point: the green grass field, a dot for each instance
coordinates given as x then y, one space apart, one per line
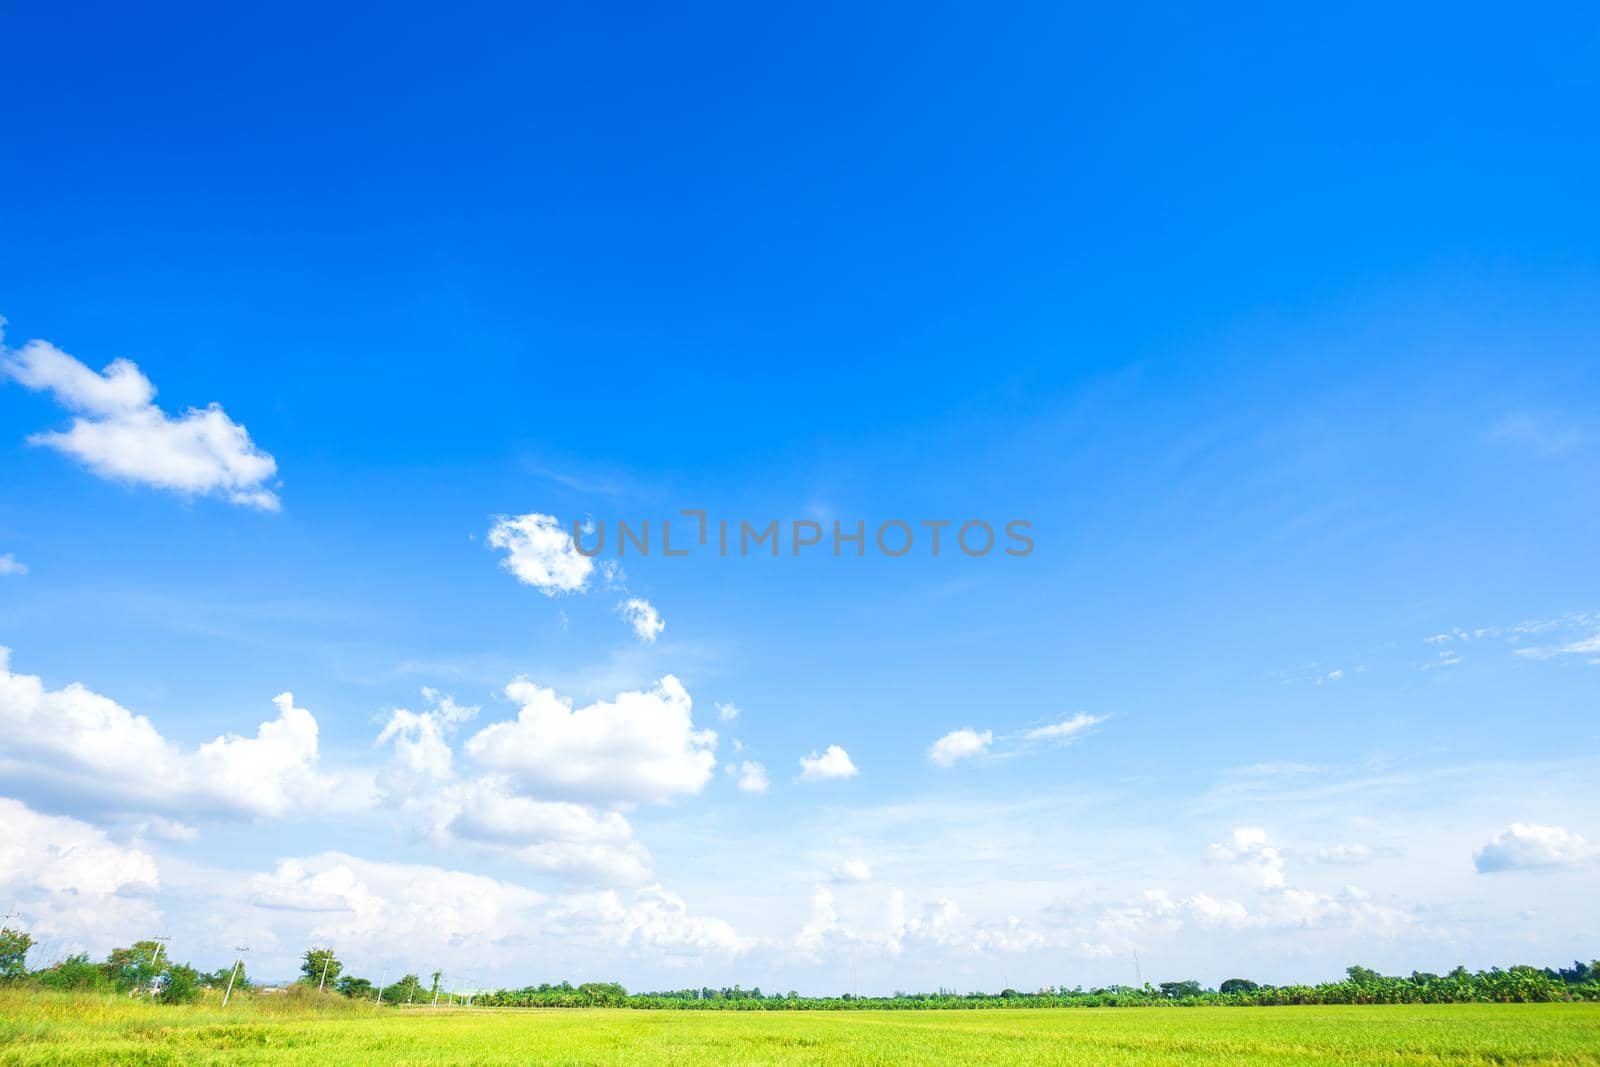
42 1029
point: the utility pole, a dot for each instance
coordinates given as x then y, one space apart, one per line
327 959
383 977
1136 969
241 950
161 943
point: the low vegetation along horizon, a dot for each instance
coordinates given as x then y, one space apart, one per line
136 1007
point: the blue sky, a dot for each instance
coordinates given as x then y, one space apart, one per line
1279 329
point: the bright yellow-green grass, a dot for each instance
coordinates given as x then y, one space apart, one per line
44 1029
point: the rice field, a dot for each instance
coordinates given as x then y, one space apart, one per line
50 1029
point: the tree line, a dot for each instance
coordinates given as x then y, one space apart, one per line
1361 985
140 969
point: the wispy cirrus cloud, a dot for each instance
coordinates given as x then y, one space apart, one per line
1067 728
1545 434
967 743
1576 633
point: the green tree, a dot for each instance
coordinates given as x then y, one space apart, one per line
14 946
404 991
218 979
1363 976
180 985
76 974
134 967
316 961
1180 990
354 987
1237 985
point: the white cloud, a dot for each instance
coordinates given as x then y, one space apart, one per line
9 565
556 837
654 922
1528 846
61 855
1347 854
1588 646
1577 633
753 777
119 433
541 553
488 814
1547 435
1209 911
727 712
72 885
959 745
851 871
1448 657
643 617
641 747
166 830
372 909
832 763
1065 728
810 938
1247 847
77 739
421 740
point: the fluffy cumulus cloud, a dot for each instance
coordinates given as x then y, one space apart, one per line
727 712
753 777
643 617
652 923
118 432
959 745
541 553
61 855
421 741
72 885
9 565
1247 848
1528 846
833 762
642 747
851 871
488 815
76 740
378 910
558 837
